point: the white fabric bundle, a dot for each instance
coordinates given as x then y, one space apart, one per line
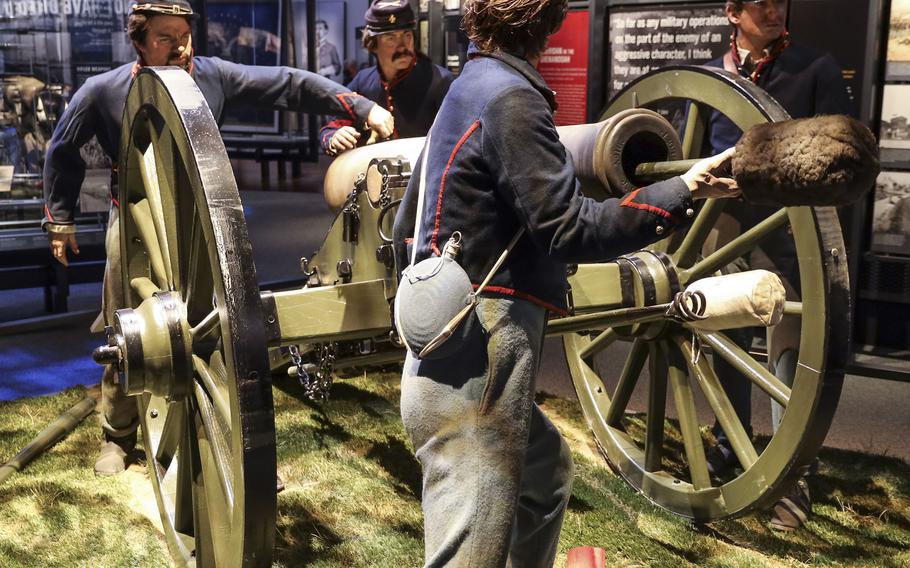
745 299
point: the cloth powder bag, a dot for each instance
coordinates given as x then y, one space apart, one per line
747 299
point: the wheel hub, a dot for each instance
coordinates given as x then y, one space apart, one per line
154 344
653 280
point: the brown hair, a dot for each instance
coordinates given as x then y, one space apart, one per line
137 27
516 26
369 42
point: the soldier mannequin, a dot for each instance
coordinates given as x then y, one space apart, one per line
497 475
161 35
806 83
404 82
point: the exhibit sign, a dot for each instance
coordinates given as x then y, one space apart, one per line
891 213
644 40
564 66
62 42
898 60
894 135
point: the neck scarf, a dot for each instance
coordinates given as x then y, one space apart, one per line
771 53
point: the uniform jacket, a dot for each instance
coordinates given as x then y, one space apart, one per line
96 109
806 83
413 98
494 164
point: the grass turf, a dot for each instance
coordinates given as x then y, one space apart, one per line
353 488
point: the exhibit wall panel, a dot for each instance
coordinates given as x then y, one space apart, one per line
564 66
247 32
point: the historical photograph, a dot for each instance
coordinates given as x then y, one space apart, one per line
898 65
894 134
891 214
330 38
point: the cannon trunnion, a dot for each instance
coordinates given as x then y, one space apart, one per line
192 345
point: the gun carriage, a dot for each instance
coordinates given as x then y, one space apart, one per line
194 345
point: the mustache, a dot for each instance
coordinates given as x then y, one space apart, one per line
400 54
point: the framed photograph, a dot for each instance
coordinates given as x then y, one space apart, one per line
897 67
894 135
331 38
250 33
891 213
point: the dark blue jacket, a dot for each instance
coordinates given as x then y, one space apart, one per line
413 98
804 81
96 109
495 163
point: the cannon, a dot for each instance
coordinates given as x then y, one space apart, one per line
193 345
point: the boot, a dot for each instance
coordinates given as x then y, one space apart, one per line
112 457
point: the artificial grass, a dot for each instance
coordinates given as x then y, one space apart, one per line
353 487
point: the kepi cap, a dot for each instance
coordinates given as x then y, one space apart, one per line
385 16
165 8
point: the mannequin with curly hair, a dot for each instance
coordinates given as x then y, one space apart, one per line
497 475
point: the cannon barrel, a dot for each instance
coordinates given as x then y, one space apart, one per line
589 145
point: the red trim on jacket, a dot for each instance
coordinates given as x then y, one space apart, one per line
336 124
628 202
442 185
523 296
343 98
47 213
115 201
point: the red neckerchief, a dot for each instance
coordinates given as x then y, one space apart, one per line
777 47
139 65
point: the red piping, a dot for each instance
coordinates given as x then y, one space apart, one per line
442 184
342 97
627 202
523 296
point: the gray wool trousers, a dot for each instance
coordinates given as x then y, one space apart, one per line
497 475
119 413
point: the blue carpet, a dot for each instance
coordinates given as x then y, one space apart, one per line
47 362
283 227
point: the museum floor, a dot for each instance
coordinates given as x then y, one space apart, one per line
284 226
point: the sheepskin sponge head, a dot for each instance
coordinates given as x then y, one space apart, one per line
821 161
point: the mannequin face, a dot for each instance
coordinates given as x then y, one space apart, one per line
167 38
321 31
759 23
395 51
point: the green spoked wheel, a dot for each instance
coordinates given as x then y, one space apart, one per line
193 339
675 364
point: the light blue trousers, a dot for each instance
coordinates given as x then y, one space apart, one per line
497 475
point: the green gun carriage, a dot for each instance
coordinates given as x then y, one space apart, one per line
194 345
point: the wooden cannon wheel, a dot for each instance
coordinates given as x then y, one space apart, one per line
206 403
685 486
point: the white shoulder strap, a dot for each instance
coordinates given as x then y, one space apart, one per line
421 190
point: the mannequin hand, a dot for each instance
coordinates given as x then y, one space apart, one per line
59 242
345 138
380 121
703 178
